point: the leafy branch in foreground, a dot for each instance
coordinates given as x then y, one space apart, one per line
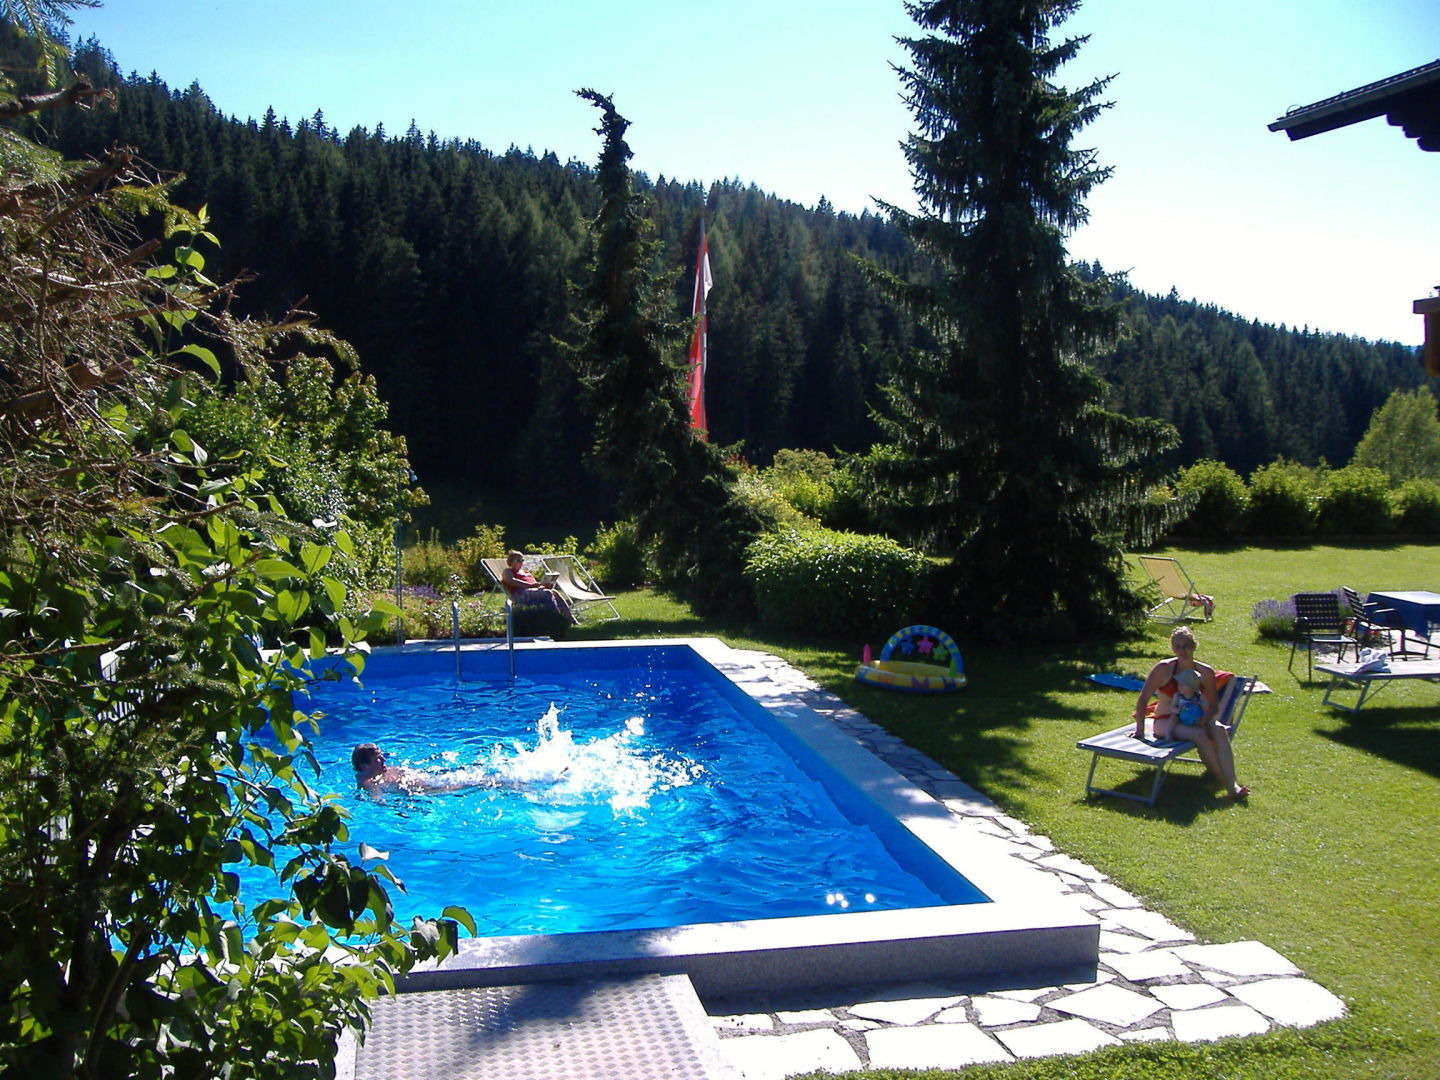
152 754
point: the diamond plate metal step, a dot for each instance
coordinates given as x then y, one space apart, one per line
651 1026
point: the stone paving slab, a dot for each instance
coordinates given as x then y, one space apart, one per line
1148 966
1147 924
998 1011
1063 1037
1239 958
1189 995
1222 1021
1155 982
774 1057
1109 1004
1291 1002
951 1046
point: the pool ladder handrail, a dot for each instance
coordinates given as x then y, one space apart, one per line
455 634
510 634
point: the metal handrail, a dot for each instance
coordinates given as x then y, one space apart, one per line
455 634
510 633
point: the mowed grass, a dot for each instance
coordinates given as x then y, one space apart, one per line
1334 861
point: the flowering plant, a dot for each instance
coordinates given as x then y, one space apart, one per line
1275 619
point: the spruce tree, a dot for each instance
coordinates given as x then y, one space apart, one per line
1004 458
675 486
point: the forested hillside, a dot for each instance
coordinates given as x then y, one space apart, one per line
452 268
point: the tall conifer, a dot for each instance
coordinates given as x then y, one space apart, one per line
676 487
1004 458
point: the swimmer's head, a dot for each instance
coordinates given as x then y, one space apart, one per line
366 756
1183 639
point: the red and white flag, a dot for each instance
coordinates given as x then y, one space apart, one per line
698 339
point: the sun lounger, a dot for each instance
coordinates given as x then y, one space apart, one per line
1180 600
1371 681
570 578
580 588
1159 753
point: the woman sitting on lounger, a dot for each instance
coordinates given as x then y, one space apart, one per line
1186 701
525 591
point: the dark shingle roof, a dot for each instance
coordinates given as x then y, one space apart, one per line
1410 100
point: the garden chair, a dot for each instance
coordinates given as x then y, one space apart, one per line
1159 753
1181 601
1319 621
579 587
1370 624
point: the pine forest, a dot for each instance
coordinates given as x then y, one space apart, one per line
451 267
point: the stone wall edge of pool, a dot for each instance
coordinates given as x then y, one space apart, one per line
790 953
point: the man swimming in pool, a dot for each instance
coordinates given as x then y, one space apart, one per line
376 778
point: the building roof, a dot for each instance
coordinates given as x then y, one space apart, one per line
1409 100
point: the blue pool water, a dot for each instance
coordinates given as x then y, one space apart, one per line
653 793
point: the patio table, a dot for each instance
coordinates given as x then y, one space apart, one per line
1419 610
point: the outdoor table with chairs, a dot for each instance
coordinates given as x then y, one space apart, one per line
1404 619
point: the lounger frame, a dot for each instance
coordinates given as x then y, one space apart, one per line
1372 682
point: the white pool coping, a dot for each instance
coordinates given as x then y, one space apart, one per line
1030 929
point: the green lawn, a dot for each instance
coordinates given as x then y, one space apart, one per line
1335 860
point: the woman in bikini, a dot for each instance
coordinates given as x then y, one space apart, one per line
1185 705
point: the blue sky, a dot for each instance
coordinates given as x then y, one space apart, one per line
1338 232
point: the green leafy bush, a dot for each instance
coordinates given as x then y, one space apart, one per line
1282 500
485 542
1354 500
429 562
426 613
570 545
1415 507
454 568
152 755
833 582
850 508
814 464
1219 500
811 497
802 478
761 499
618 556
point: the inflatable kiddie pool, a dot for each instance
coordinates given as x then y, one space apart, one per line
928 662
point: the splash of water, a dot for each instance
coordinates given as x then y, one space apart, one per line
557 769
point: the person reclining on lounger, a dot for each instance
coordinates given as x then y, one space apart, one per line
1186 700
525 591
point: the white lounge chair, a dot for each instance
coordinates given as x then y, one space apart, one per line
580 588
1158 753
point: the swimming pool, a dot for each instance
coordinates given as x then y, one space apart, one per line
778 853
636 791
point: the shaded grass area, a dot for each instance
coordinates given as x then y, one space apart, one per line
1335 860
